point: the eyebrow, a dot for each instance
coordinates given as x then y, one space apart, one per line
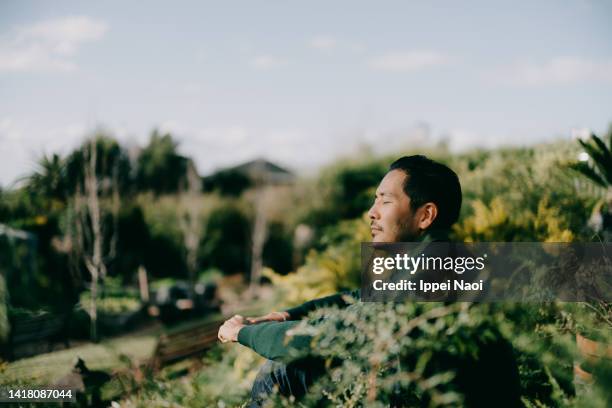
384 193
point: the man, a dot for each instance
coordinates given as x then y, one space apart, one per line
417 200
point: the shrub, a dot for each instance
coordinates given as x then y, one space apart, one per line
334 268
432 354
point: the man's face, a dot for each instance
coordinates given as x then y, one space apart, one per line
391 218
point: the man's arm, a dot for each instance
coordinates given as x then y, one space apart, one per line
268 336
266 339
269 339
337 299
301 311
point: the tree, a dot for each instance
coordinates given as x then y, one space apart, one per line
599 168
160 168
49 179
259 235
230 183
191 222
93 226
596 165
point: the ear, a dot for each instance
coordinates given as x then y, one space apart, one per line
426 215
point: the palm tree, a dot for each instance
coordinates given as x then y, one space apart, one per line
596 166
49 179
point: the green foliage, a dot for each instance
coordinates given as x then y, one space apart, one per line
37 276
431 354
344 191
160 168
523 194
49 179
420 352
108 355
376 351
226 245
230 183
497 223
224 380
133 242
164 254
116 298
278 249
4 320
111 305
112 164
599 170
593 320
327 271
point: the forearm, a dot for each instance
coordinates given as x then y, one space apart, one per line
270 339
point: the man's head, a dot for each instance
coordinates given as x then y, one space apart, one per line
415 195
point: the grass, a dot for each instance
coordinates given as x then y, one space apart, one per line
109 355
225 372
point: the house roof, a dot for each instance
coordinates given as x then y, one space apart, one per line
263 170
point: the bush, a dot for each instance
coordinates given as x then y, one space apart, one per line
278 249
432 354
223 380
334 268
226 246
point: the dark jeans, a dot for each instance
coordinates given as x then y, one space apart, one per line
292 379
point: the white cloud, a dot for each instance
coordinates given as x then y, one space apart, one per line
464 139
558 70
461 139
218 147
328 44
267 62
49 45
323 43
407 61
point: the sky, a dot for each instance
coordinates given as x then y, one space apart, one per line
299 83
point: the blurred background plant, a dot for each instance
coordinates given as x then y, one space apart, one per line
313 229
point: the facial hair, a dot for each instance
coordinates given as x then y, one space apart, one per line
406 232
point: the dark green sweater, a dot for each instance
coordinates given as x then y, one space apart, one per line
269 339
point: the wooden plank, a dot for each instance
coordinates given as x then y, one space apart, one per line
185 343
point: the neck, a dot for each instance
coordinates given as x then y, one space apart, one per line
434 234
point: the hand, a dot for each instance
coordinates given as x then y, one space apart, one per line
270 317
229 330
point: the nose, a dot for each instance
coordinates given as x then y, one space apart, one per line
373 213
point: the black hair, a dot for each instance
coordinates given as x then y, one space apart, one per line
430 181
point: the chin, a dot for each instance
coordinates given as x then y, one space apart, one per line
379 239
